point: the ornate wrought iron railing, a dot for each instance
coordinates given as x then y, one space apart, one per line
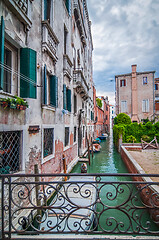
85 203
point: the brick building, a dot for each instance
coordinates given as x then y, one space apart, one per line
45 58
101 115
135 94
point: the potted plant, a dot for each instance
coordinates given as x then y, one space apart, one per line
21 103
5 102
13 103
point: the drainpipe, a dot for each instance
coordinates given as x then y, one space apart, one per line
153 97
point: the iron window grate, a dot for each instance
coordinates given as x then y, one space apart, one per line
48 141
10 151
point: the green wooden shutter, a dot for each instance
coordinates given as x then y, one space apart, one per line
69 11
56 88
68 6
69 100
27 73
53 91
45 9
2 28
45 86
64 96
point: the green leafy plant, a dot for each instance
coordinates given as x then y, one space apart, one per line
123 118
99 102
146 138
130 139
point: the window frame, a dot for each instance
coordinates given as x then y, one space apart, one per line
14 69
123 83
156 86
145 106
20 148
125 106
75 134
52 155
67 141
144 81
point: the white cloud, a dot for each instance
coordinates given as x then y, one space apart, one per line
124 32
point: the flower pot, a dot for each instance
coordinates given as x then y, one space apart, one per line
5 105
18 106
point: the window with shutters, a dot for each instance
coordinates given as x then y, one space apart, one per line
145 105
122 82
75 104
68 6
28 74
67 136
66 98
123 106
8 64
10 77
50 89
48 142
47 10
75 132
65 40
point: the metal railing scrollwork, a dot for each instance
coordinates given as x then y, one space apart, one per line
85 204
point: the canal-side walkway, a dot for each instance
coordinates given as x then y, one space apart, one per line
148 160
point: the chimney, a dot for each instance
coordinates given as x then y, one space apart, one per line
134 66
134 111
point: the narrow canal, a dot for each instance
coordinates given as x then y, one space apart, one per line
108 160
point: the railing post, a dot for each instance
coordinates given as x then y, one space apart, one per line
64 165
37 188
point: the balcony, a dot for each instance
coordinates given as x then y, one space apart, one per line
80 83
67 66
21 8
49 206
49 41
79 21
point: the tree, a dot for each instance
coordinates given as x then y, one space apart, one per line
123 118
99 102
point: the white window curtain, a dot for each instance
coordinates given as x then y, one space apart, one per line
145 105
124 106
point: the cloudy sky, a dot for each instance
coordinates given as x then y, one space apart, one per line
125 32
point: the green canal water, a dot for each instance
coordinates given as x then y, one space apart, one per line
124 218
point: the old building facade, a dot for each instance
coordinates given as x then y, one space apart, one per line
46 59
135 94
101 115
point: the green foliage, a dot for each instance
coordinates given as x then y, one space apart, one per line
118 130
156 125
145 120
123 118
130 139
115 120
146 138
99 102
148 125
146 131
157 136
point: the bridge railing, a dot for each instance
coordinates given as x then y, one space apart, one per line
43 204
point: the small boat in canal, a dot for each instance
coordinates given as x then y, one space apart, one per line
64 214
96 148
103 137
